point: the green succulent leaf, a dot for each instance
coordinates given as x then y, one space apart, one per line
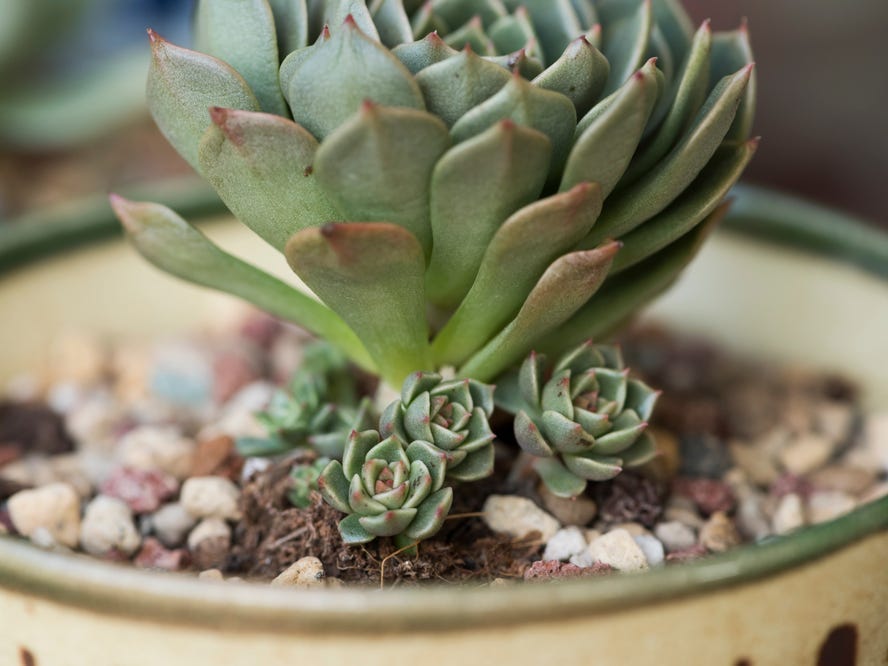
630 207
691 208
430 515
337 12
514 32
477 465
391 22
334 487
626 39
607 142
261 166
558 479
475 187
388 523
353 531
518 254
556 24
672 20
182 85
471 36
377 167
594 468
242 34
546 111
580 74
732 51
327 82
173 245
458 84
642 451
433 458
291 20
372 274
416 56
360 501
357 447
562 290
458 12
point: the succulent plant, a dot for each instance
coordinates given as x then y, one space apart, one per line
583 418
388 489
318 411
452 415
304 478
457 181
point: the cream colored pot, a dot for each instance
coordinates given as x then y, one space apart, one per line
819 596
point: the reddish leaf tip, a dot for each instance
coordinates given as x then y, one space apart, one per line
350 21
153 36
507 124
218 115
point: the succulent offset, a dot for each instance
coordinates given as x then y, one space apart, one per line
457 181
450 415
303 480
583 418
388 489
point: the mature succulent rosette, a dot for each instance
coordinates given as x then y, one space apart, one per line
457 181
452 415
388 489
584 419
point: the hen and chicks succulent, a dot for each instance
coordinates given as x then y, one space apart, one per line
459 183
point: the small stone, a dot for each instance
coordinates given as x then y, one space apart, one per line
548 570
827 505
253 466
758 465
703 456
211 497
565 543
304 572
210 574
806 453
789 515
182 374
675 536
333 583
217 457
518 517
142 490
751 519
171 523
108 526
54 507
29 428
209 543
77 358
634 529
652 548
790 484
683 510
157 448
843 478
667 462
709 495
95 423
590 535
719 534
569 511
629 498
154 556
835 420
875 438
617 549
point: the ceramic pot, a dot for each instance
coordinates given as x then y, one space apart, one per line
783 280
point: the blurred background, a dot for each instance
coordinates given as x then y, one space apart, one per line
73 121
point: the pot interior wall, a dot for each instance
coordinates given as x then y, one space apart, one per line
755 298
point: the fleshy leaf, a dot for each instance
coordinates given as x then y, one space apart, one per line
458 12
391 22
458 84
556 25
334 487
433 458
243 35
691 208
644 450
378 165
529 438
388 523
170 243
357 447
562 290
430 515
372 274
626 40
261 166
291 19
605 147
476 186
594 469
182 85
471 35
630 207
558 479
337 12
416 56
353 532
546 111
732 51
326 83
520 251
579 74
359 501
477 465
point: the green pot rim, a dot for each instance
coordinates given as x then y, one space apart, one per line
84 582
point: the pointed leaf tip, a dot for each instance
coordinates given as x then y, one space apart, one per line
153 37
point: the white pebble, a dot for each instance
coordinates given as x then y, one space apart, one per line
751 519
518 517
211 497
210 574
675 535
565 543
652 549
789 515
157 448
253 466
305 572
171 523
54 507
829 504
875 438
616 549
209 528
806 454
107 526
